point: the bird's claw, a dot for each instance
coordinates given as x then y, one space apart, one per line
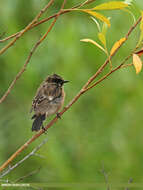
58 115
43 128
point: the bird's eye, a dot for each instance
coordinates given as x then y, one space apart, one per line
58 81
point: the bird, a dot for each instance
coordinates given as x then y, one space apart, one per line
48 100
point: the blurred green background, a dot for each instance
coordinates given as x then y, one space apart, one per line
104 128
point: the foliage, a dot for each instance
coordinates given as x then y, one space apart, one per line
105 126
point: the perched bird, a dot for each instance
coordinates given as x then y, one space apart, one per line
48 100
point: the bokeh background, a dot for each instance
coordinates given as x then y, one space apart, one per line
104 128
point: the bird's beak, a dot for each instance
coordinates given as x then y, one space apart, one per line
65 81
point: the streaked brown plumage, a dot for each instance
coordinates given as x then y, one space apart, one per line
48 100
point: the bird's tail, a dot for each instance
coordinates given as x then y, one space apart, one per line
37 123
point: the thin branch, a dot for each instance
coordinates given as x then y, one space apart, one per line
25 158
27 27
82 91
47 19
19 73
28 59
63 12
127 65
129 182
86 2
104 77
28 175
108 59
1 35
133 27
105 177
122 65
9 37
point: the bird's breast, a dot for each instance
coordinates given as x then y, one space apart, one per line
54 106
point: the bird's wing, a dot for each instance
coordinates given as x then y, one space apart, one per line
43 93
36 101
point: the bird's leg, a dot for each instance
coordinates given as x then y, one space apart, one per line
58 115
44 129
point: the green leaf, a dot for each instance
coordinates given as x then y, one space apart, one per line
104 28
141 25
97 15
112 5
102 38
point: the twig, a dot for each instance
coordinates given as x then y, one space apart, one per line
122 65
84 89
104 77
25 158
56 118
130 181
28 59
27 27
63 12
27 176
1 35
105 177
47 19
19 73
127 65
5 180
108 59
9 37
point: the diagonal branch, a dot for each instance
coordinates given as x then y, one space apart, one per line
47 19
28 59
25 158
82 91
62 12
26 28
108 59
27 175
122 65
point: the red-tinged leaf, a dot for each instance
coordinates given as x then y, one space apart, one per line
137 63
117 45
139 53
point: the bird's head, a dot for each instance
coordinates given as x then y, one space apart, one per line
56 79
